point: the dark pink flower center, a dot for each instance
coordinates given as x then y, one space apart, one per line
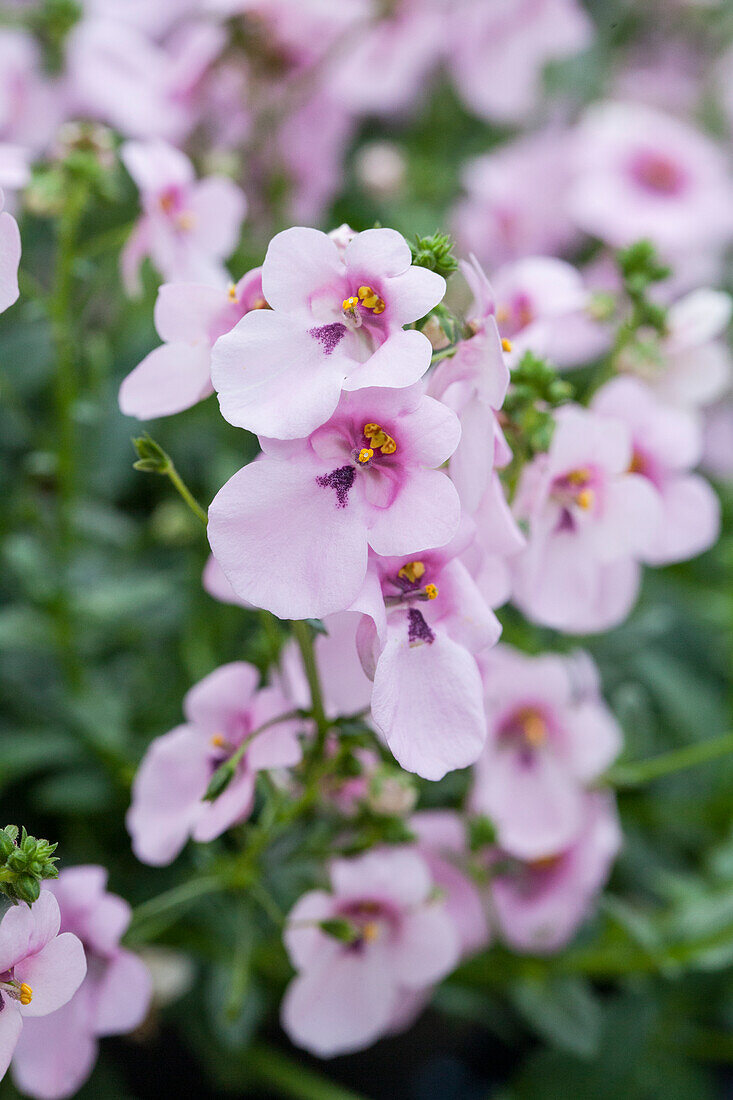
658 174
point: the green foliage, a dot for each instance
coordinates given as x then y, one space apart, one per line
24 864
435 252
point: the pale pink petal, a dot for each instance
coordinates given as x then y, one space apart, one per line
300 262
412 294
400 361
233 805
378 251
303 938
424 514
54 974
285 544
689 523
217 207
222 697
184 312
428 947
122 995
400 875
170 379
9 260
56 1053
593 738
25 930
11 1025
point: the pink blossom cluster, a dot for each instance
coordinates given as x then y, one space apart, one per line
66 981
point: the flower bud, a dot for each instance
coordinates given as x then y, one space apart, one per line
391 793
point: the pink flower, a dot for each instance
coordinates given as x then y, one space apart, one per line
498 540
506 214
40 970
224 713
311 143
718 453
190 318
691 365
667 444
335 324
539 904
56 1054
535 298
9 258
418 643
346 688
473 382
545 745
346 995
188 226
291 530
442 843
644 174
589 519
499 50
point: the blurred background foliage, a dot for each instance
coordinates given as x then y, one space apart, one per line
104 626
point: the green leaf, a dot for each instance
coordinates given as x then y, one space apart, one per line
563 1010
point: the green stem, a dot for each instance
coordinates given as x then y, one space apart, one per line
304 637
667 763
61 313
175 898
184 491
284 1076
228 766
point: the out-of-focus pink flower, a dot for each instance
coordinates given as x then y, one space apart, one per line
691 365
499 50
442 842
473 382
589 519
346 689
312 141
347 994
31 105
188 226
335 324
545 745
497 541
9 257
56 1054
642 173
403 48
535 298
663 73
516 202
539 904
40 970
667 444
718 448
291 530
189 317
224 712
418 639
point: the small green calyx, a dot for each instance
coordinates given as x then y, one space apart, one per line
24 864
339 929
152 459
436 253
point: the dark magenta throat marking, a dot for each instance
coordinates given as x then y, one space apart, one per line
340 481
417 629
328 336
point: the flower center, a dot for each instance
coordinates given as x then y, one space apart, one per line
407 581
658 174
576 488
528 726
365 298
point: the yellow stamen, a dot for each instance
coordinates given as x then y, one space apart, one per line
218 741
579 477
232 292
506 345
370 931
370 299
544 863
261 303
350 303
534 727
379 439
637 464
365 292
26 994
503 313
412 572
585 499
365 454
431 591
186 220
379 307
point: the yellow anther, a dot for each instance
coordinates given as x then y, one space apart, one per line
506 345
370 931
218 741
366 292
503 313
412 572
26 994
186 220
371 429
579 477
389 446
370 299
637 465
350 303
431 591
365 454
534 728
379 307
585 499
232 292
261 303
544 863
379 439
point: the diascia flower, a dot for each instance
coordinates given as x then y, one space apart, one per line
418 641
40 970
188 226
539 904
227 717
292 529
335 324
545 744
667 443
189 317
399 939
9 257
590 518
56 1054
